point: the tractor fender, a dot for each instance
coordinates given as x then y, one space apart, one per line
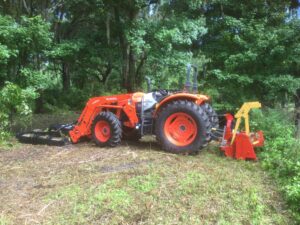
197 98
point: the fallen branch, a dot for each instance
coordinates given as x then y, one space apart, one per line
45 207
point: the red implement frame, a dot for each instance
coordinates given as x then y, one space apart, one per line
240 145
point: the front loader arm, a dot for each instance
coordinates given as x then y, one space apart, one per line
117 104
82 127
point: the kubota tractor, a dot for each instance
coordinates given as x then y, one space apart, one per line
181 120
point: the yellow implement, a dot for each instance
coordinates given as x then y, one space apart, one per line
244 113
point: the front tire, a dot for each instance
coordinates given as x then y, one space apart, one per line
106 130
181 127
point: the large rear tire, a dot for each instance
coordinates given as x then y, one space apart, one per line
181 127
213 119
212 115
106 130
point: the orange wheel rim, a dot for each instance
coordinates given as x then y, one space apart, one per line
102 131
180 129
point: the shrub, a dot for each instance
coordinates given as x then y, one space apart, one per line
15 102
281 156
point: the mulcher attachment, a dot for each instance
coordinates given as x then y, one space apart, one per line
55 135
240 144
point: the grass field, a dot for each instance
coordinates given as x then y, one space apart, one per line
135 183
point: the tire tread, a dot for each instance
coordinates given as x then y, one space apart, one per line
184 105
115 126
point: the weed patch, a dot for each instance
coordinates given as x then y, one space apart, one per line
190 183
144 183
4 220
88 204
75 186
281 155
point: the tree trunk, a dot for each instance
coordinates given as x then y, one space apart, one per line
66 76
107 24
39 103
124 50
125 69
104 74
285 101
138 73
297 113
132 65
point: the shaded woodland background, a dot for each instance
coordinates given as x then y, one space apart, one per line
56 54
63 52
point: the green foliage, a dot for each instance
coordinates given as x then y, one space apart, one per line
66 50
39 80
15 102
65 53
23 70
252 51
284 84
24 41
96 47
281 156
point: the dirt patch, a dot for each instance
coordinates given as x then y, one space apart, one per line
30 172
123 166
47 185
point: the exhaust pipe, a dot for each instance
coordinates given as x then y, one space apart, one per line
195 82
148 80
188 84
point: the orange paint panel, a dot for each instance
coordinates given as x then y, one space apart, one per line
198 99
94 106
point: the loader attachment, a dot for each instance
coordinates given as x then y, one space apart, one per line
55 135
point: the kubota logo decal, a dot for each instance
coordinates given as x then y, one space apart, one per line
110 99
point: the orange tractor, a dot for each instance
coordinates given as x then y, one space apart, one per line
182 121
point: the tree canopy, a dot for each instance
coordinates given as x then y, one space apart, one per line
56 54
68 51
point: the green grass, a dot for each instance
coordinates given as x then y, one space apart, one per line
83 205
4 220
136 184
205 189
145 183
